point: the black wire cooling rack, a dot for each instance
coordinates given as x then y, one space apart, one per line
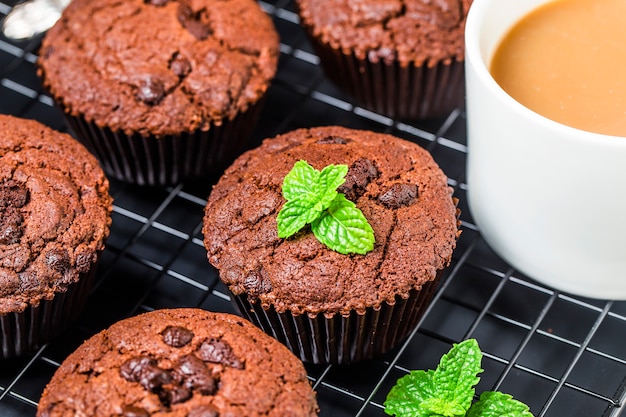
560 354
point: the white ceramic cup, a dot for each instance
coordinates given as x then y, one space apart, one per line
548 198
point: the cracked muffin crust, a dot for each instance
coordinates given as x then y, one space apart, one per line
401 58
396 184
410 31
157 69
180 362
54 219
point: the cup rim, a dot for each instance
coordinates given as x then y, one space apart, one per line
474 57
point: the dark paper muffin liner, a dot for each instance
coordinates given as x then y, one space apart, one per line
160 161
339 339
25 331
400 92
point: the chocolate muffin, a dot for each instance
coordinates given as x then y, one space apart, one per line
161 91
400 58
180 362
55 214
326 306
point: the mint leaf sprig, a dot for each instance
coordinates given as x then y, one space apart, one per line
448 390
312 198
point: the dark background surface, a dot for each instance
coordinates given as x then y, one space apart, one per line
562 355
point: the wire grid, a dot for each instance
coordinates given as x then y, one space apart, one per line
560 354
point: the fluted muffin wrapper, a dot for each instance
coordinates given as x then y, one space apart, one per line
25 331
402 92
341 339
166 160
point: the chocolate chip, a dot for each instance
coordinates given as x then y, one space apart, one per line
196 22
151 91
399 195
11 225
29 281
359 175
156 2
332 140
180 65
130 369
172 387
173 394
257 282
177 336
58 260
132 411
144 370
203 411
85 259
217 351
13 194
9 282
195 375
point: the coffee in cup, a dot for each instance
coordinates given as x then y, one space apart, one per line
547 197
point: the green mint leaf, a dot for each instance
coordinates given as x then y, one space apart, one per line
301 181
330 178
308 193
441 407
410 391
445 392
296 214
312 198
448 390
307 183
324 191
497 404
456 375
344 228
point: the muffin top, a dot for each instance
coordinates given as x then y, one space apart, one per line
159 67
396 184
180 362
410 31
55 212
